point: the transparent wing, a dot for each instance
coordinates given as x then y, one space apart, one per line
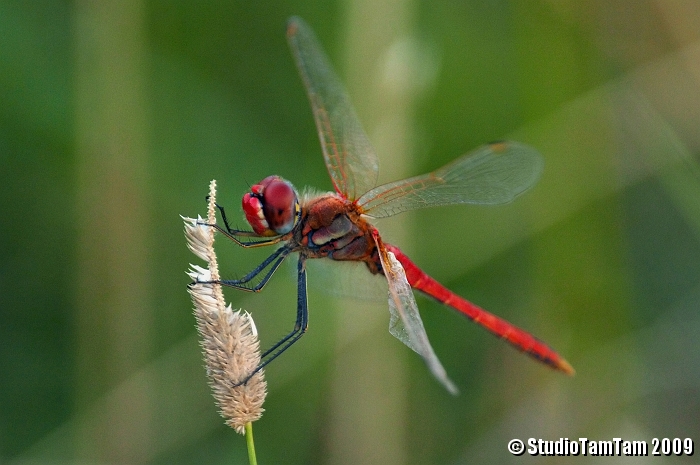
350 158
405 323
492 174
344 279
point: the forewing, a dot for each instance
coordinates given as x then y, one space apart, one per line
492 174
350 157
405 323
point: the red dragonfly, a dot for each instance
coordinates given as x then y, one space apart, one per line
337 225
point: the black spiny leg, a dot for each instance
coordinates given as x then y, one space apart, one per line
300 327
234 234
223 217
275 259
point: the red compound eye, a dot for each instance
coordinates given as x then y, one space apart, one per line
252 207
280 205
271 206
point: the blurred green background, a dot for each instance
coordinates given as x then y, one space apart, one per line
114 116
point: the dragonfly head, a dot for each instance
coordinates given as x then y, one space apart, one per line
271 207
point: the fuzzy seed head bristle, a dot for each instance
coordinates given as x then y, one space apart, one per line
228 338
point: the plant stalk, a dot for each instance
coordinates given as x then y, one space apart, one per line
250 443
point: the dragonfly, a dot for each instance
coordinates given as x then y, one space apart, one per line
337 225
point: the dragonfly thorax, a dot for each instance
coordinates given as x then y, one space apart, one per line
271 207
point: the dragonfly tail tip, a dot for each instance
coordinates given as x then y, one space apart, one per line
566 367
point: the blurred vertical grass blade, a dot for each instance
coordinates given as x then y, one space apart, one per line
370 381
113 282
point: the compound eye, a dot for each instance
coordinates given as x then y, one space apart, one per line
280 204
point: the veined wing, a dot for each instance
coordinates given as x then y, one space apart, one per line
348 153
492 174
405 323
520 339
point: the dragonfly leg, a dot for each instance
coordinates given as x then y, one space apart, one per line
275 259
234 234
223 217
300 326
229 229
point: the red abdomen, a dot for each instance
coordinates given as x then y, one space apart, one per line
519 338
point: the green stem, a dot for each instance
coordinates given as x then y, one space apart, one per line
251 444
